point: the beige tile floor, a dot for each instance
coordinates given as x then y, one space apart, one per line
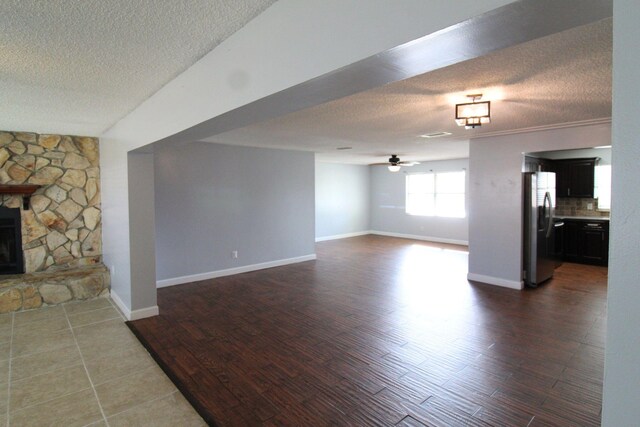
78 364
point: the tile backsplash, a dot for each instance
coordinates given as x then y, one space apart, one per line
578 207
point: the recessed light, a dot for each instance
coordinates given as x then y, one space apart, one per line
344 148
435 134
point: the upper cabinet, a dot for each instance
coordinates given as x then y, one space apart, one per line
574 177
537 164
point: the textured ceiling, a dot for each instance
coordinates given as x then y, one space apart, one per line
78 66
563 78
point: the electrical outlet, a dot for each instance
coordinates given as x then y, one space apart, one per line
590 206
234 254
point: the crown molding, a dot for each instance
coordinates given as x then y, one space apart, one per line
605 120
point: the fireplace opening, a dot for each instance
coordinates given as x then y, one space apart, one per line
11 261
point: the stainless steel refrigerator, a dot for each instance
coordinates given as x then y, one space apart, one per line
539 208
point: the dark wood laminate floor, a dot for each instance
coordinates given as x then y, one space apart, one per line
384 331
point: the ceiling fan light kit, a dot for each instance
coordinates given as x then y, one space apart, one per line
473 114
395 163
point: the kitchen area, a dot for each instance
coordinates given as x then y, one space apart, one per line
567 208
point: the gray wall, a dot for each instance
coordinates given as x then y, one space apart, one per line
388 205
213 199
342 199
116 233
622 357
495 190
186 101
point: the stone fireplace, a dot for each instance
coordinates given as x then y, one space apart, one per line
50 195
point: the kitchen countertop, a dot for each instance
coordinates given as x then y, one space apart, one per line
592 218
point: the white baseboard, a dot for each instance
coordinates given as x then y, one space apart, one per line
134 314
512 284
343 236
418 237
118 301
231 271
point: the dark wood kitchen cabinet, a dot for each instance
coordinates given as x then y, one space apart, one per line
586 241
538 164
570 239
574 177
546 165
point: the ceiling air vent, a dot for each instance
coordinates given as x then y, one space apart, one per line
435 134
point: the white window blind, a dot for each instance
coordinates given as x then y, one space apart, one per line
436 194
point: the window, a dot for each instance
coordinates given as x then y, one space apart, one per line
602 187
436 194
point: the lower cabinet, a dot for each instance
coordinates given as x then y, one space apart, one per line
571 241
586 241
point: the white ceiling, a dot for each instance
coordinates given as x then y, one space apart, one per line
78 66
563 78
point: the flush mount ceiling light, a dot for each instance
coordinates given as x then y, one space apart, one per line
473 114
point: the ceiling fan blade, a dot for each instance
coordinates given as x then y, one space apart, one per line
395 162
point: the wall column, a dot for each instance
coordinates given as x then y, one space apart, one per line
142 235
622 352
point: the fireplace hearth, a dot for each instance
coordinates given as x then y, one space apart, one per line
11 261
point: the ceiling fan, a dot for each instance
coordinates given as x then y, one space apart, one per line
395 163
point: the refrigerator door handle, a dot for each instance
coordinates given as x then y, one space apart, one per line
548 209
542 214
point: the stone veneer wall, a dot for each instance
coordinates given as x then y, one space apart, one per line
61 232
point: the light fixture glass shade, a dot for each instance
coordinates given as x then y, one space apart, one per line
393 168
473 114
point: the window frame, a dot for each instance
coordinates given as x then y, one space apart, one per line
433 193
598 187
